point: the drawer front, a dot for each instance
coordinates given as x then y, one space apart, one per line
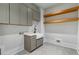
39 42
30 37
33 37
33 44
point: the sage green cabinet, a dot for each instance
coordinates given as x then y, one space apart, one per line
30 17
18 13
4 13
36 15
29 43
23 15
15 13
35 11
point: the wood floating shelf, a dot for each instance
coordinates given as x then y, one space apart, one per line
62 11
61 20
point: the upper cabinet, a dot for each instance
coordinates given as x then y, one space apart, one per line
15 13
36 15
23 15
30 17
4 13
18 13
35 11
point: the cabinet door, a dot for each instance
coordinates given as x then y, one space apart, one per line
4 13
14 13
33 42
30 16
36 15
24 13
39 42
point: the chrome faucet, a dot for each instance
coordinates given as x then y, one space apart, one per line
35 29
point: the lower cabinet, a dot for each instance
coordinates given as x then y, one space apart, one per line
39 42
31 43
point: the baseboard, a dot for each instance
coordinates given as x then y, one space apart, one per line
64 45
14 51
65 40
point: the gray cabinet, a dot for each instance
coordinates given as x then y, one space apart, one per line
29 43
39 42
32 6
15 13
35 11
23 15
36 15
30 17
18 13
4 13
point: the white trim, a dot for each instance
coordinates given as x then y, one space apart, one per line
52 37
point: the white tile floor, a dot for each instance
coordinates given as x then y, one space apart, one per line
50 49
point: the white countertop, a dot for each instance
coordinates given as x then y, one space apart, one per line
38 35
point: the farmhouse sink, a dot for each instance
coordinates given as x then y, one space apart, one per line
38 35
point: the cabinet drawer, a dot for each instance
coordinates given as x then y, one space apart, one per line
39 42
33 44
30 37
33 37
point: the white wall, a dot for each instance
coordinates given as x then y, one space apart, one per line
65 32
12 29
62 28
78 38
78 34
12 43
66 40
10 40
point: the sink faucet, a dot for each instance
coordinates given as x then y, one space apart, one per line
35 29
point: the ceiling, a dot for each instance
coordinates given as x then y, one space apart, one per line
45 5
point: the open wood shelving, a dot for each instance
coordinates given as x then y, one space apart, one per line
62 11
52 21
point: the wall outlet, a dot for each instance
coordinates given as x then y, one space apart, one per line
58 41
